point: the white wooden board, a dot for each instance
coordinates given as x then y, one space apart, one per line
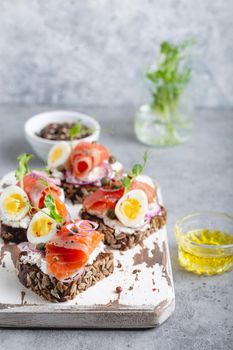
147 298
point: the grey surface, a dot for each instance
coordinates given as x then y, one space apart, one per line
94 52
194 176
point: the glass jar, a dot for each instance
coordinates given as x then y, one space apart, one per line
205 242
167 124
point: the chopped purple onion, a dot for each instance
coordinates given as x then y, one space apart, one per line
94 177
40 174
29 247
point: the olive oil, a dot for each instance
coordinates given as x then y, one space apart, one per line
201 251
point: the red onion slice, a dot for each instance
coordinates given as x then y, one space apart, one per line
83 227
75 181
29 247
93 178
23 246
40 174
94 225
155 212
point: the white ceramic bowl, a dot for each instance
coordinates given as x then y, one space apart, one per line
42 146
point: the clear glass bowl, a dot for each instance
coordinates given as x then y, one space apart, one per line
205 242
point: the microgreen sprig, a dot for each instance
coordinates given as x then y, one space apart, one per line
137 169
58 218
23 167
45 170
50 203
51 206
77 130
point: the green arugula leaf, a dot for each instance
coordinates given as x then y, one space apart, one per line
51 206
23 167
75 130
126 182
79 130
50 203
137 169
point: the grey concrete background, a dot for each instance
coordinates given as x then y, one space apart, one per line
195 176
94 52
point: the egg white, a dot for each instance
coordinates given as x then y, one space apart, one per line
40 215
140 197
65 149
8 192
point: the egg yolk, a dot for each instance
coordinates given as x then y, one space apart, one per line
41 227
57 153
131 208
14 203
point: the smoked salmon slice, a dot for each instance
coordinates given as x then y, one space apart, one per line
70 249
102 200
36 190
99 202
85 156
149 190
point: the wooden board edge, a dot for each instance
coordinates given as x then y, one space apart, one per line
81 319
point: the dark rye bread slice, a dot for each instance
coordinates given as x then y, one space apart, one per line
50 288
13 234
77 193
124 241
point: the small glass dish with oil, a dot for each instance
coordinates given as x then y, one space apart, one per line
205 242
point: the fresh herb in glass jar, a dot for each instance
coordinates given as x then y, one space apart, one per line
170 76
167 120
